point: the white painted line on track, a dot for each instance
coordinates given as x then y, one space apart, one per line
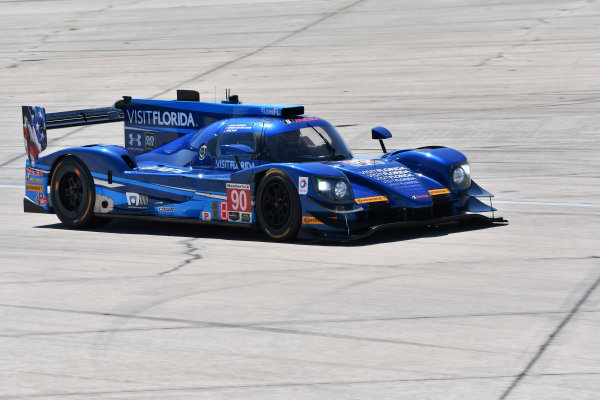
547 203
12 186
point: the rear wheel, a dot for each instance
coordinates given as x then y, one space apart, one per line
278 206
73 194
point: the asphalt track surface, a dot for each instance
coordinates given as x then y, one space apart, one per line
165 311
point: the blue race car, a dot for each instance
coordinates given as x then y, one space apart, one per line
237 164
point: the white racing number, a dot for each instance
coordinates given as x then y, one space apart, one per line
239 200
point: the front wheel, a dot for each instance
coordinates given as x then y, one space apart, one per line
73 193
278 206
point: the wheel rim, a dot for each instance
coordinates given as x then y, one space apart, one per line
276 205
70 191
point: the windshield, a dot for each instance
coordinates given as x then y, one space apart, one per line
311 143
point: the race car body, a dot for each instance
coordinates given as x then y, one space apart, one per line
236 164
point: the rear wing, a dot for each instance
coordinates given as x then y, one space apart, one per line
90 116
36 121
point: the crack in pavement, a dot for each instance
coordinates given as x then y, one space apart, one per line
293 322
330 266
549 340
215 68
261 328
276 385
190 252
108 330
528 30
262 48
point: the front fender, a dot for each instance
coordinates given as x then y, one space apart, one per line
434 163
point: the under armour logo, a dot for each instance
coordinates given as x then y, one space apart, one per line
133 140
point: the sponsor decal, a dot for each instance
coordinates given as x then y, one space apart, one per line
303 185
104 204
371 199
435 192
135 140
136 200
362 163
246 217
233 216
202 152
238 198
388 175
421 196
150 141
307 119
34 179
230 164
270 111
237 128
215 210
165 118
40 199
34 131
34 172
311 221
206 216
166 209
161 168
33 188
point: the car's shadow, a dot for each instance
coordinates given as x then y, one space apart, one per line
159 228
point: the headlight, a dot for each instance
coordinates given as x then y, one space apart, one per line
333 189
461 176
340 190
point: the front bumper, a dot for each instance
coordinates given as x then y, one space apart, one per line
363 232
352 223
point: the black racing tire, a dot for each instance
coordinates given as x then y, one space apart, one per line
278 206
74 194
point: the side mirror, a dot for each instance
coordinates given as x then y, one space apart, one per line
236 150
380 133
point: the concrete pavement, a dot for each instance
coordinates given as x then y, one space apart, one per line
149 311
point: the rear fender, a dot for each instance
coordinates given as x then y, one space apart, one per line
98 158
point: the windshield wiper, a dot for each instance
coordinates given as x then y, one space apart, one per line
327 144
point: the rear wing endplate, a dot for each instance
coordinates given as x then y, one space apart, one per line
36 121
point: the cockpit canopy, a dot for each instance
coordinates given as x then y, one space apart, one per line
306 139
306 142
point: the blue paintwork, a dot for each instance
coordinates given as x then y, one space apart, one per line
183 163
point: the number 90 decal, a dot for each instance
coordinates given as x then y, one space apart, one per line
238 201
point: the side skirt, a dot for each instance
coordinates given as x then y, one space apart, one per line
176 220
